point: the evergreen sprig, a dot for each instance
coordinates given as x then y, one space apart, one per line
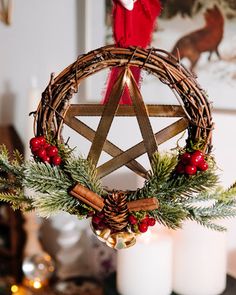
84 172
170 215
51 204
17 200
178 194
44 178
180 197
6 165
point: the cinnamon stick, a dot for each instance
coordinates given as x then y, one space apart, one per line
97 202
147 204
88 197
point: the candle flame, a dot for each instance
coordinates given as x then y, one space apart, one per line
14 288
37 285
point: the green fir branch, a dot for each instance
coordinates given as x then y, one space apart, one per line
166 186
177 194
18 159
9 184
51 204
17 200
185 186
216 211
170 215
44 178
84 172
8 166
162 166
228 195
211 225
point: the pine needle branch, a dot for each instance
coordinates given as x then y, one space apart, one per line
162 167
184 187
6 165
218 210
84 172
166 186
44 178
170 215
50 204
17 200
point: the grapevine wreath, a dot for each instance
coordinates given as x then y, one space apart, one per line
177 181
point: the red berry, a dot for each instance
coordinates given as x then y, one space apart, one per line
101 215
102 225
46 159
34 143
199 153
203 166
34 150
56 160
132 219
143 227
151 221
180 168
46 145
42 140
41 153
196 158
145 219
184 158
190 169
52 151
96 219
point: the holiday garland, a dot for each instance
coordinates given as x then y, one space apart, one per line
177 193
178 182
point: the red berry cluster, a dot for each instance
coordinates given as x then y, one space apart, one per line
143 224
190 163
98 221
44 151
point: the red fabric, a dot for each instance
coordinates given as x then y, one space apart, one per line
132 28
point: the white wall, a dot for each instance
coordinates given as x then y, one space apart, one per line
42 39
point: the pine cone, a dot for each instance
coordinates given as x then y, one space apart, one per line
116 211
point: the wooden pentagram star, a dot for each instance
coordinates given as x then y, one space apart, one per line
99 138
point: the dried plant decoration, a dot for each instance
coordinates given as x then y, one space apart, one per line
175 180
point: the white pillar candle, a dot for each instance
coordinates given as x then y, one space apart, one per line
146 267
199 261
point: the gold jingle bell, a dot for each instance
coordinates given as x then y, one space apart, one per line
118 241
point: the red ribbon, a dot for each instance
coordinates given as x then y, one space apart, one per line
132 28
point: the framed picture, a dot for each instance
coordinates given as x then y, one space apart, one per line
202 34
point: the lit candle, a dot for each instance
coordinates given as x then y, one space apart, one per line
199 261
146 268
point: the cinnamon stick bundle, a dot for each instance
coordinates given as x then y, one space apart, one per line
97 202
88 197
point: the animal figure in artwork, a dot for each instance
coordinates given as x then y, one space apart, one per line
206 39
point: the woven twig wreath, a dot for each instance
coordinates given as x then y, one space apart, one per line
119 215
176 180
56 97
